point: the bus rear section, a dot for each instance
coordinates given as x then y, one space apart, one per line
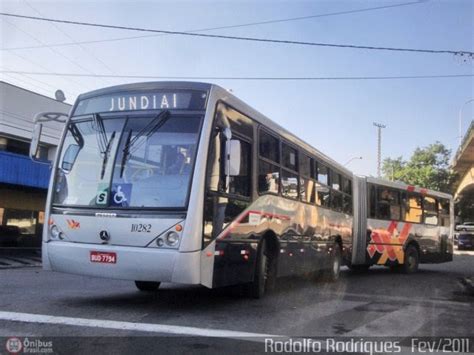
401 226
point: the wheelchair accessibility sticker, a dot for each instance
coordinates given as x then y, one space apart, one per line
121 194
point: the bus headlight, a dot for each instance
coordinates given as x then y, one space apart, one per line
55 232
172 239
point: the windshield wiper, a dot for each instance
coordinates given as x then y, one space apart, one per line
125 153
106 155
154 125
102 140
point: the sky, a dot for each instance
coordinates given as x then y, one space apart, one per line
335 116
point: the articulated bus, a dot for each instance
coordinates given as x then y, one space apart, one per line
183 182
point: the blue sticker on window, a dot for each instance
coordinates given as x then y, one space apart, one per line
121 194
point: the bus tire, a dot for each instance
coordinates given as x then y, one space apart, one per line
332 273
147 286
263 272
412 260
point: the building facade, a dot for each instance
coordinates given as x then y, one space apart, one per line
24 183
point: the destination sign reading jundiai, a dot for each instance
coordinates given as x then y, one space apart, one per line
180 100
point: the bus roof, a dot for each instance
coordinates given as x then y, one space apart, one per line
402 186
223 95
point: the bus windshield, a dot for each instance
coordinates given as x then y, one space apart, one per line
122 162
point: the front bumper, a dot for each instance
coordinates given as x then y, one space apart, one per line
133 263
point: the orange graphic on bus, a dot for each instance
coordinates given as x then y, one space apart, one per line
389 243
73 224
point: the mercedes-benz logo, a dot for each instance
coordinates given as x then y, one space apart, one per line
104 235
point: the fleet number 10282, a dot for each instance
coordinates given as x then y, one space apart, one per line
141 228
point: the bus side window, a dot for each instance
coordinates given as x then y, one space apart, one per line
372 201
289 157
430 211
335 179
388 203
289 173
346 185
307 190
444 215
347 194
395 206
269 146
347 204
323 174
336 201
268 177
413 211
307 187
322 195
289 184
268 173
240 184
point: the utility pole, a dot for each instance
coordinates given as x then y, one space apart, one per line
379 146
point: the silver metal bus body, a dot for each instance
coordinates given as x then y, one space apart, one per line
118 240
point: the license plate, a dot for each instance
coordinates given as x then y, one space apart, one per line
103 257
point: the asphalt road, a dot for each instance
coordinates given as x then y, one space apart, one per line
81 314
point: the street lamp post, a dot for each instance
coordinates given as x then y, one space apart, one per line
460 119
379 146
351 159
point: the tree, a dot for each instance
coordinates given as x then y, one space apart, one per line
427 167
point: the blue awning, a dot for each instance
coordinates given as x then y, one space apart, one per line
21 170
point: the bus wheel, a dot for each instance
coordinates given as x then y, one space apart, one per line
263 272
147 286
412 260
332 274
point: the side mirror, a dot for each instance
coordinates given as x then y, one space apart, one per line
70 157
232 163
35 140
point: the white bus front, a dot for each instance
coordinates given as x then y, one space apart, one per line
121 186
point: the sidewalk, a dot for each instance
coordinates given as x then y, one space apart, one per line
19 257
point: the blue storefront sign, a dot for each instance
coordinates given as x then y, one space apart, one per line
19 169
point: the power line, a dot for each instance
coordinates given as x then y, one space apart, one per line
249 39
29 77
85 49
308 78
54 50
267 22
15 80
28 60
